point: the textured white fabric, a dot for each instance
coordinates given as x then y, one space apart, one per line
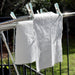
26 43
48 27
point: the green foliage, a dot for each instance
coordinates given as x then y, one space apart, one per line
18 6
12 5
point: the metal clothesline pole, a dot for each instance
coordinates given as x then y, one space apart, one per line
16 20
68 14
29 17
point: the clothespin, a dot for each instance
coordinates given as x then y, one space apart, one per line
27 6
38 11
57 9
30 9
13 15
41 10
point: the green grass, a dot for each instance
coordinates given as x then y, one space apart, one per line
63 64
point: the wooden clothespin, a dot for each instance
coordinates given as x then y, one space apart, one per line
13 15
57 9
30 9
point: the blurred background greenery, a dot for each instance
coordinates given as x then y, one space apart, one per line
18 6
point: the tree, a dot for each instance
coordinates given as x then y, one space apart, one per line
18 6
6 6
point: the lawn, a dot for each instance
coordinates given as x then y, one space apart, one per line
63 64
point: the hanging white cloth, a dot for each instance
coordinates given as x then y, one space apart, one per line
48 27
26 43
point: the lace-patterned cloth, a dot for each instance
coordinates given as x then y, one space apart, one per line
48 27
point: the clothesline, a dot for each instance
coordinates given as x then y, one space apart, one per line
12 23
68 14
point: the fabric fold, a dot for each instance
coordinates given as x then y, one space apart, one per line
26 43
48 27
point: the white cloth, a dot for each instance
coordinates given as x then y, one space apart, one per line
26 45
48 27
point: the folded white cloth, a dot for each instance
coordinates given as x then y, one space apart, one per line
26 43
48 27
